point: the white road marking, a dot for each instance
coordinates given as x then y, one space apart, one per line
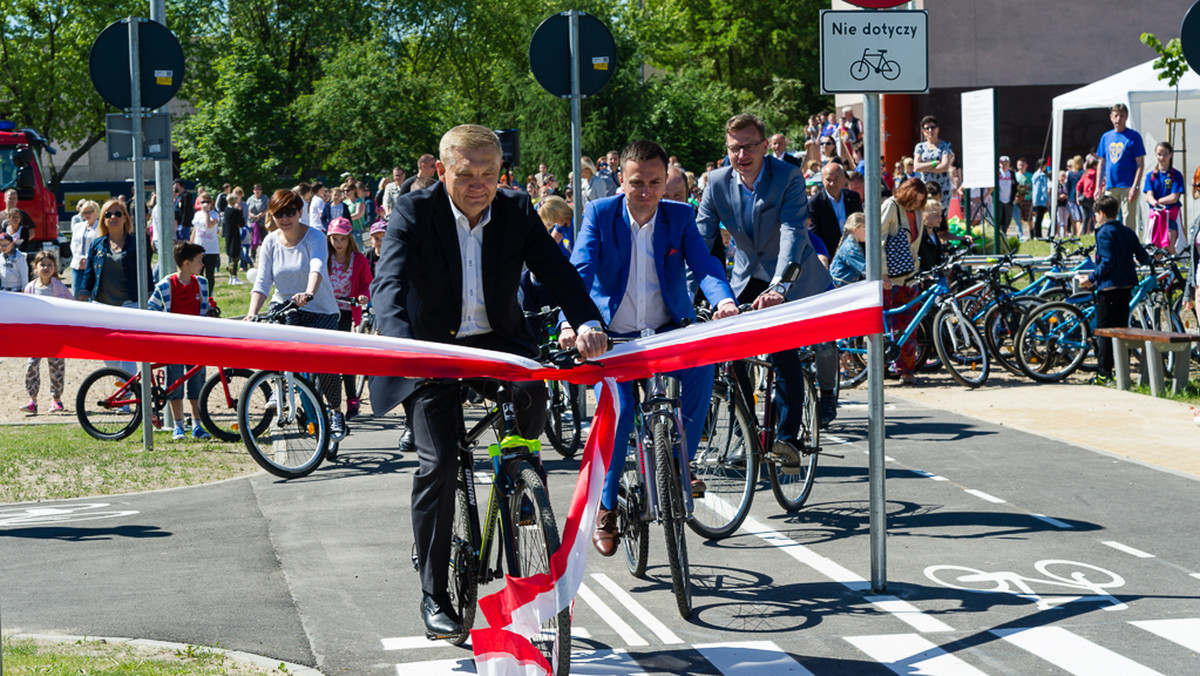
1184 631
827 567
639 611
836 439
912 654
1127 549
928 475
1196 575
580 632
437 667
984 496
1072 652
750 658
411 642
907 612
605 663
626 632
1052 521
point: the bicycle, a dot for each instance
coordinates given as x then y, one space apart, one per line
877 62
567 402
518 521
109 402
282 418
366 327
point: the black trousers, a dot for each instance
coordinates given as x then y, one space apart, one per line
1112 311
434 411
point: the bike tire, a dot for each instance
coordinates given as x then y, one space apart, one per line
793 490
218 416
564 426
464 563
535 536
960 348
670 512
290 445
1001 324
727 462
1156 314
635 532
99 420
852 362
1053 342
859 70
890 70
367 328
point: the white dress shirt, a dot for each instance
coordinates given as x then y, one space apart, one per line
642 306
470 247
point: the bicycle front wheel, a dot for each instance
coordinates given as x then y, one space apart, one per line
727 464
293 424
670 510
1053 342
464 563
564 426
108 406
852 362
219 403
792 489
535 537
960 348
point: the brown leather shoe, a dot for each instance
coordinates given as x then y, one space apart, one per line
605 536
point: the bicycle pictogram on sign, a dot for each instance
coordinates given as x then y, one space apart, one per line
876 62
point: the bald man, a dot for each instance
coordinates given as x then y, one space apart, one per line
832 204
677 184
778 144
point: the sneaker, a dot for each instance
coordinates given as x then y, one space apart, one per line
57 407
272 402
31 407
828 408
199 433
352 406
337 423
1101 380
179 434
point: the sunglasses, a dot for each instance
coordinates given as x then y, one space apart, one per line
112 214
930 127
286 213
827 143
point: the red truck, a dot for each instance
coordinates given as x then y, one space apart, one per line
20 168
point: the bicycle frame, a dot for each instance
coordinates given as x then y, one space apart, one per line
130 386
661 401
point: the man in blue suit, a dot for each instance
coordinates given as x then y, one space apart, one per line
631 254
763 204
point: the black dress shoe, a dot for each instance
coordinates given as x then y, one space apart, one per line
441 621
407 445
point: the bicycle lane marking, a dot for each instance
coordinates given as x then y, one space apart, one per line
626 632
1072 652
1185 631
750 658
647 618
1127 549
912 654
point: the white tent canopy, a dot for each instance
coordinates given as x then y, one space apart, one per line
1151 101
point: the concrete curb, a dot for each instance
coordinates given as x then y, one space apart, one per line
235 655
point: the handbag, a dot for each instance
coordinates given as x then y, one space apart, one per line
898 251
1160 224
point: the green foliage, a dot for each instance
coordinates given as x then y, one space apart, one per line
1170 62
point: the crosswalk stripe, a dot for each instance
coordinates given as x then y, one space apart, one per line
626 632
912 654
605 663
1072 653
750 658
908 613
1184 631
639 611
437 667
410 643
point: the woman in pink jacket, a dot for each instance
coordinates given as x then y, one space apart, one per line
350 277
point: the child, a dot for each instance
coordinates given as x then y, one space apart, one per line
186 293
1164 192
14 271
350 277
1064 217
1114 277
47 283
378 230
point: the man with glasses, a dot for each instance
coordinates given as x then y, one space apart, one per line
762 203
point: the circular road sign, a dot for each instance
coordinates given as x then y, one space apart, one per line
550 55
1189 37
160 58
878 4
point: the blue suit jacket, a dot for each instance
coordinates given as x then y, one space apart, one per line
780 227
602 257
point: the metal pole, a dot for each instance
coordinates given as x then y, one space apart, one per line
576 127
139 216
875 430
163 208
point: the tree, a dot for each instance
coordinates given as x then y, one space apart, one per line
1170 63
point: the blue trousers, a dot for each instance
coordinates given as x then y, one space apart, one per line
695 392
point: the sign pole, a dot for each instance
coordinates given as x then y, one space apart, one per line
139 216
164 235
875 431
576 128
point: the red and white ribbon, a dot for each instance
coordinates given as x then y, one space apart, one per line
34 326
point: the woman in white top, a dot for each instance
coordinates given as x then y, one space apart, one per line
206 232
83 233
294 259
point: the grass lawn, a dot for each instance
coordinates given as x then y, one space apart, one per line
101 658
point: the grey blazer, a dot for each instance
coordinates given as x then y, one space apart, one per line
780 226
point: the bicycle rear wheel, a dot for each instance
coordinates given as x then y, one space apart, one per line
108 406
960 348
670 510
1000 327
294 432
464 564
535 537
727 464
564 426
852 362
218 405
1053 342
792 490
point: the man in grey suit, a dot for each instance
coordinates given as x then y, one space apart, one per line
763 204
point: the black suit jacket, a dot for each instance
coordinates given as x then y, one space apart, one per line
417 292
792 160
824 218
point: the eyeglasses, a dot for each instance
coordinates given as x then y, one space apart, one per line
930 127
113 214
734 150
286 213
827 143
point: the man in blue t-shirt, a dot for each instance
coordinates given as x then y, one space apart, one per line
1122 157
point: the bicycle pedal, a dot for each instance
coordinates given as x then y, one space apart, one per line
156 421
822 451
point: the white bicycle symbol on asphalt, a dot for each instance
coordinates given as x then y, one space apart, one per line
35 516
1059 575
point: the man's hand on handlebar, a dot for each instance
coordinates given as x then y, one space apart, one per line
726 308
591 344
766 299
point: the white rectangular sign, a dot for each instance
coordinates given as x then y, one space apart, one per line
874 52
979 139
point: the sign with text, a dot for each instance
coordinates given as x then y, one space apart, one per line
874 52
979 139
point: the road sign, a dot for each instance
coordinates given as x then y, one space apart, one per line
1189 37
878 4
161 64
874 52
156 130
550 55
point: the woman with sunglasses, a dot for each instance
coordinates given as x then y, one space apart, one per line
110 275
934 159
294 258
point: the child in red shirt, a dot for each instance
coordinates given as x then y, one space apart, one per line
186 293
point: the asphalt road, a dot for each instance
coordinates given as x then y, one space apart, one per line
1007 554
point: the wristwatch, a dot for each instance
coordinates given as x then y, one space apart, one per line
780 289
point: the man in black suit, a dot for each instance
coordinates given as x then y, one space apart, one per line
778 143
831 205
448 273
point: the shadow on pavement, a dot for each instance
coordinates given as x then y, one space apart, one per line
72 534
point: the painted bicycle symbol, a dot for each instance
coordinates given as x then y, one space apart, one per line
1059 575
876 62
34 516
